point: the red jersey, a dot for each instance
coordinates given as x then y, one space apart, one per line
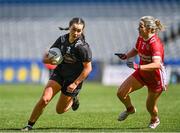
147 50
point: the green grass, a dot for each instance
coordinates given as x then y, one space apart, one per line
98 110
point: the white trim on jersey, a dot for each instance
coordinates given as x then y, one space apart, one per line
156 57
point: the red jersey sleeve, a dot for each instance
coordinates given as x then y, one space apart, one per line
156 48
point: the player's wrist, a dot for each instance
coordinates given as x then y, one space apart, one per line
76 83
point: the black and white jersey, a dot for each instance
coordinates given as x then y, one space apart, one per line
74 54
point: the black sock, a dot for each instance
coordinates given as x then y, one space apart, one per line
31 123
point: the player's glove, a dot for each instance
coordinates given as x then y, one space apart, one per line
121 56
133 65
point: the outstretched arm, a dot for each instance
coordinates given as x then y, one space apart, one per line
123 56
133 52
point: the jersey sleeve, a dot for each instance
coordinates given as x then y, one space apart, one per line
85 53
56 43
59 42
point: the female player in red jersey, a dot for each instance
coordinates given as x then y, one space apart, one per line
150 71
68 76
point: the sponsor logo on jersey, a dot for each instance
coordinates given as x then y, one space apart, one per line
78 43
145 57
68 50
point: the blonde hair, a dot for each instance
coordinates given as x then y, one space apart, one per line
152 23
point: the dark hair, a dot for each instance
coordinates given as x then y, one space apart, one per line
75 20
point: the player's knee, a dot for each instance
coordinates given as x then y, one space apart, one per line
120 94
44 101
59 111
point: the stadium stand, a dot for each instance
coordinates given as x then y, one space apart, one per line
29 27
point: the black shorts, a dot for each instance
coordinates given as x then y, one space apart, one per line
65 82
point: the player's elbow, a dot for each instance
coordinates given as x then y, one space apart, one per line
90 69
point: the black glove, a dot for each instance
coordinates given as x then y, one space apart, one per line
121 56
133 65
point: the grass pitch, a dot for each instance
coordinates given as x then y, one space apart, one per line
99 108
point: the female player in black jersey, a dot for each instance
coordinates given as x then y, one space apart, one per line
67 76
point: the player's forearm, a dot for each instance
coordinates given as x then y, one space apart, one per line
150 67
131 53
83 75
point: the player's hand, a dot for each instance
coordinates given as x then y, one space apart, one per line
71 88
133 65
122 56
54 62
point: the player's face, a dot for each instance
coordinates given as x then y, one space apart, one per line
143 30
75 31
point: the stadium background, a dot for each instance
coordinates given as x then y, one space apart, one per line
29 27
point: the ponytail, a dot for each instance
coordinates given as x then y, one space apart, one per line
60 28
160 27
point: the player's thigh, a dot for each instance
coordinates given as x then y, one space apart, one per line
129 85
64 103
51 89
